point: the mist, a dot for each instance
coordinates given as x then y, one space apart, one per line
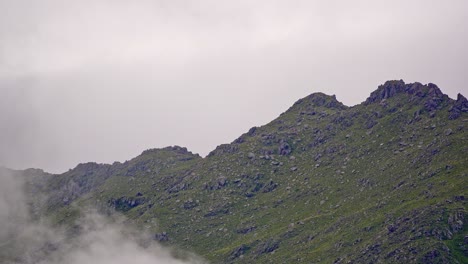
95 238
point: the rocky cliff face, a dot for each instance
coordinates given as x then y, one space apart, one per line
459 107
383 181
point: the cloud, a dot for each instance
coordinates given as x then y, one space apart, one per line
108 79
95 238
22 239
13 210
103 241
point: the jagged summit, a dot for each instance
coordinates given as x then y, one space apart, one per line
391 88
429 95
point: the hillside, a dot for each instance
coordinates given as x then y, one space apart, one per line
381 182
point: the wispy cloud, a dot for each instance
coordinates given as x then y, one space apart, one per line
95 238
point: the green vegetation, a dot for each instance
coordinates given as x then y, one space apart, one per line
383 181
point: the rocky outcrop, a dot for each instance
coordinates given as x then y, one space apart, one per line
224 149
387 90
455 221
217 184
238 252
124 204
284 148
161 237
311 104
320 99
433 96
76 182
268 246
460 106
175 149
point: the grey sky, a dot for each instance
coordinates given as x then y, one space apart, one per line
96 80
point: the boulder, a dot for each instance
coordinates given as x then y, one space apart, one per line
161 237
284 148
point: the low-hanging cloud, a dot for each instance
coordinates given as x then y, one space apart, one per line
102 241
96 239
13 210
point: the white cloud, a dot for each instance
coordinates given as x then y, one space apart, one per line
96 239
107 79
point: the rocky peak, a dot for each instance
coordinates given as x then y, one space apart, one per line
387 90
432 94
462 102
88 166
460 97
391 88
320 100
420 90
178 149
177 152
174 149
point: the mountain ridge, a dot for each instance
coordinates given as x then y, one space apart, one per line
389 89
382 181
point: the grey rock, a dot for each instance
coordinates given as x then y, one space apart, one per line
268 246
284 149
246 230
161 237
222 181
269 187
448 132
459 107
455 221
239 252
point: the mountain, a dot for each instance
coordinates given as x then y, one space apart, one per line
384 181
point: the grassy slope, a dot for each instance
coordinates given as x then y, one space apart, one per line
370 183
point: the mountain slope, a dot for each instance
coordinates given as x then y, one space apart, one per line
383 181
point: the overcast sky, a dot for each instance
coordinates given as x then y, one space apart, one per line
97 80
